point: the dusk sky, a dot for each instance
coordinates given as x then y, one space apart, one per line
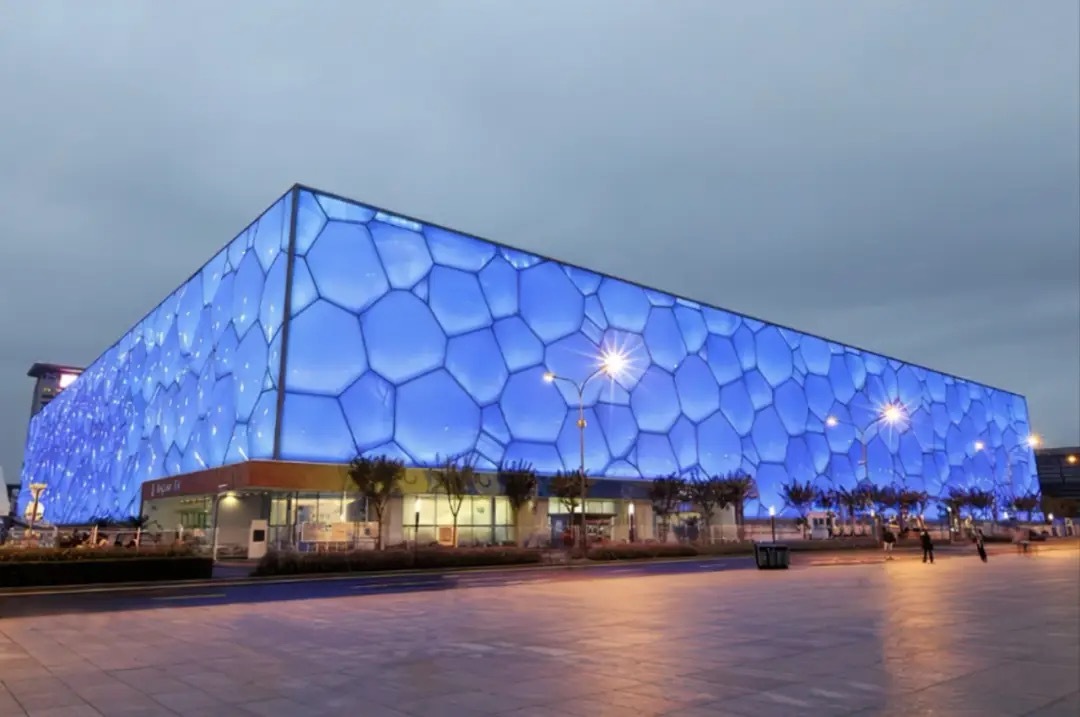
901 176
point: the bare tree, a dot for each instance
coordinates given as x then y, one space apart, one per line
707 493
738 488
457 478
567 486
518 479
377 479
666 493
800 496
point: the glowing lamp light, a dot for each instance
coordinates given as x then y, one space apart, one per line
772 511
1071 459
630 509
893 413
1050 517
613 363
549 376
832 422
416 505
1004 515
1034 440
979 445
66 379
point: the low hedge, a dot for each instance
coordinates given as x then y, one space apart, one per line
103 569
645 551
53 555
361 561
642 551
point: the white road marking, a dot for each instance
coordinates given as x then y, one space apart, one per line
189 597
827 693
786 700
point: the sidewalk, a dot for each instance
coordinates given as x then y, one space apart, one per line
237 573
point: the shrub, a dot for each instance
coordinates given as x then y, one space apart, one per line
360 561
639 551
114 569
47 555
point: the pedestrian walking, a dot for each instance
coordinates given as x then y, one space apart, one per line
927 546
980 544
888 540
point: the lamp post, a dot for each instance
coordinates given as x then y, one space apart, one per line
630 511
772 522
217 504
416 524
36 489
611 363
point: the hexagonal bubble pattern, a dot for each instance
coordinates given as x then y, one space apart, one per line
706 389
140 411
415 340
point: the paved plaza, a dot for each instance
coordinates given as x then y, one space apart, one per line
955 638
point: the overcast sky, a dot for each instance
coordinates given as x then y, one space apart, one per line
903 176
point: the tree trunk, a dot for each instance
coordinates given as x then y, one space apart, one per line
453 532
379 533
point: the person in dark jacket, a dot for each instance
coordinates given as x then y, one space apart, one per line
927 545
980 544
888 540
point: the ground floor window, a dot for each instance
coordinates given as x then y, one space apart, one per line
481 520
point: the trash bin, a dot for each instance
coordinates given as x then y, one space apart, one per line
771 556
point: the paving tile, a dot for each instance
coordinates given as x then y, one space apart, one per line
839 640
82 710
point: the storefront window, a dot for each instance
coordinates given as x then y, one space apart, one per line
481 519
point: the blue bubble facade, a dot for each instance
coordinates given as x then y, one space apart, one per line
406 339
192 386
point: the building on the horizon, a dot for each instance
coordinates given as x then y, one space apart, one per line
49 380
1059 479
328 329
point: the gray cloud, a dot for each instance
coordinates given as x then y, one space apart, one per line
904 177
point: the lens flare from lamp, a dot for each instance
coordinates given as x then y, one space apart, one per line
613 362
1034 440
979 445
549 376
892 413
832 422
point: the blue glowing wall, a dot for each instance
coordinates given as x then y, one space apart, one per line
192 386
415 341
411 340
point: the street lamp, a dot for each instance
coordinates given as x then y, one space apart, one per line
612 363
630 510
36 489
217 504
892 414
772 522
416 524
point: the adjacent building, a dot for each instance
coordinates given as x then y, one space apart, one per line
1059 480
328 329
